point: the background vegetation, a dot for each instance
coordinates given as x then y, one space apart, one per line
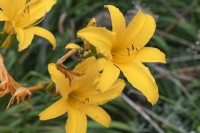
177 34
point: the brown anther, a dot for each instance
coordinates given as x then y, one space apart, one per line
28 10
128 51
133 48
87 100
66 71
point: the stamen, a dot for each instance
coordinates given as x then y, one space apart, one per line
67 72
133 48
128 51
28 11
87 100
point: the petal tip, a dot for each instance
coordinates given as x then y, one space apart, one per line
21 49
41 117
108 123
154 100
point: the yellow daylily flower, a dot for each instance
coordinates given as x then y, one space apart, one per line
9 85
124 50
82 98
21 18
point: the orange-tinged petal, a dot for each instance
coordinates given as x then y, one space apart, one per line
55 110
99 37
98 114
108 77
140 77
149 54
62 83
24 37
117 18
76 122
45 34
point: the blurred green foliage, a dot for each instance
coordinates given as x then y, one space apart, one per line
178 35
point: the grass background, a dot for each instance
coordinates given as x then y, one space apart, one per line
177 34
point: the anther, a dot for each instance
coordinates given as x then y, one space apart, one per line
87 100
133 47
128 51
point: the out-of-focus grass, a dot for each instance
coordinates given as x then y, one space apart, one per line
178 35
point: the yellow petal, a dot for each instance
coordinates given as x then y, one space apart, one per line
3 17
92 22
138 32
97 114
113 92
86 64
99 37
87 45
24 37
72 46
89 69
145 34
76 122
11 8
16 6
140 77
108 77
4 4
55 110
149 54
101 98
62 83
102 62
118 21
45 34
34 10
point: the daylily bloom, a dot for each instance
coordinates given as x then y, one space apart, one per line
124 50
9 85
21 18
82 98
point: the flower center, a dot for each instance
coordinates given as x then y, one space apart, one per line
124 55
